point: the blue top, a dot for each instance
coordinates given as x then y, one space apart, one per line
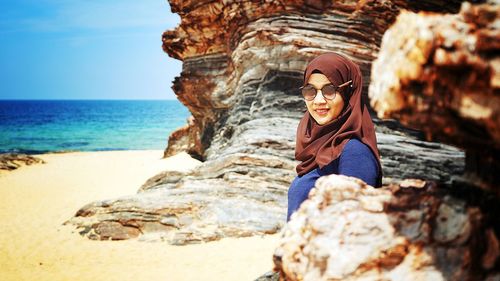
356 160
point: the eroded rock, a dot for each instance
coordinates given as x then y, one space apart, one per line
243 62
252 69
348 230
440 73
12 161
244 191
213 202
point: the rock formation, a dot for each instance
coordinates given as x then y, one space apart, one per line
441 74
242 64
12 161
435 73
253 68
348 230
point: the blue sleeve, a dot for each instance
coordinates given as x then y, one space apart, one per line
299 190
357 160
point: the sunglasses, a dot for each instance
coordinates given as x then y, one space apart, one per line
328 91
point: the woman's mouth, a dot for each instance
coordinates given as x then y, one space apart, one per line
321 111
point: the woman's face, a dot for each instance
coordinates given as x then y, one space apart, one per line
321 109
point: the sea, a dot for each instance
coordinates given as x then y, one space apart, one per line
42 126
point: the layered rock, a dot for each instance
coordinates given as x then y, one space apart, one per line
216 201
348 230
266 42
441 74
435 73
181 139
240 193
243 64
12 161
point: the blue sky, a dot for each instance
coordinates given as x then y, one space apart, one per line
85 49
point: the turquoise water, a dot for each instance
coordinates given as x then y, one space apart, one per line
39 126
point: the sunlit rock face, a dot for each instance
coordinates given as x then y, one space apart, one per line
348 230
244 60
441 74
437 73
242 64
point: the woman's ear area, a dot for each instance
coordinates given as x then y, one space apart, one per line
346 91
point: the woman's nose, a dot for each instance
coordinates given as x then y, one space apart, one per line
319 97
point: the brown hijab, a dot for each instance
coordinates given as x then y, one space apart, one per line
318 145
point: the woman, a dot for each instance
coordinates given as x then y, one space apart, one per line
336 134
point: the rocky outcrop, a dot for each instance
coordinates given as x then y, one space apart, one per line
182 140
243 191
435 73
404 157
215 201
243 62
441 74
348 230
12 161
253 68
269 276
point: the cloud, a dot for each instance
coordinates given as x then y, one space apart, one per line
85 15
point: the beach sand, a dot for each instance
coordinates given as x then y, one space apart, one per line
34 245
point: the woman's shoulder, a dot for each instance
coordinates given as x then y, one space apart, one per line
358 160
356 147
308 178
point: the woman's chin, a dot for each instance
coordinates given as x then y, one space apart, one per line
321 120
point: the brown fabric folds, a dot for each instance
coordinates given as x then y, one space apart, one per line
318 145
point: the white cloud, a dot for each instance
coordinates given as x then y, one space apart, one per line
91 15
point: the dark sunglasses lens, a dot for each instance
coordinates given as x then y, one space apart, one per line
329 92
308 93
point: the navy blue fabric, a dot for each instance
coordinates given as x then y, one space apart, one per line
356 160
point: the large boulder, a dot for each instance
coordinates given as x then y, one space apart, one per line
436 73
348 230
440 73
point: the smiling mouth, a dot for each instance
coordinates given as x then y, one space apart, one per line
321 111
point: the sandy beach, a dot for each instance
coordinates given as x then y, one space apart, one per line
36 200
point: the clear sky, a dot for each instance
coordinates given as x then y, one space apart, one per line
86 49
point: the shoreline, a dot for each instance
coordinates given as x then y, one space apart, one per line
43 152
37 199
21 159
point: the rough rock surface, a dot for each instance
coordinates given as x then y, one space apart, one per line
242 192
404 157
215 201
269 276
348 230
12 161
441 74
179 140
436 73
241 88
253 68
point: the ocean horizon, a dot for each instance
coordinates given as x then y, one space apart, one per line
43 126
